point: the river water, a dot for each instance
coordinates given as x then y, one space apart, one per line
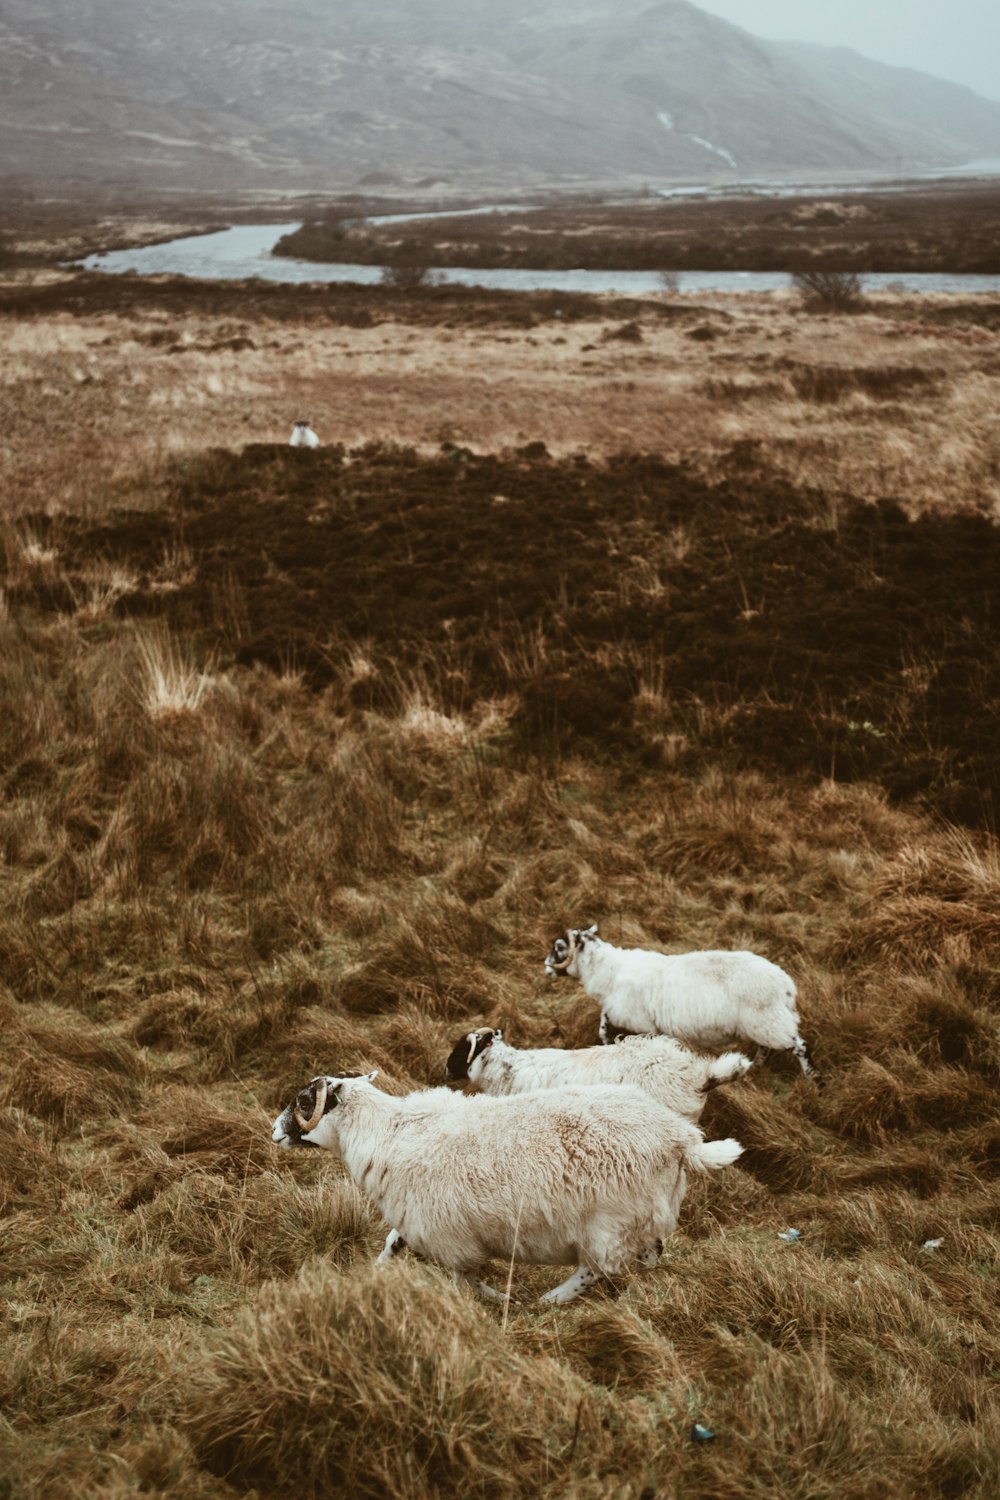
245 251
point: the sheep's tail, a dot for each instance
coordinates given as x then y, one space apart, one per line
709 1156
725 1069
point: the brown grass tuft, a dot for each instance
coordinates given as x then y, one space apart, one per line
616 1348
67 1072
935 904
207 1135
28 1166
780 1150
392 1380
429 955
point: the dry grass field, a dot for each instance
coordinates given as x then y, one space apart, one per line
679 618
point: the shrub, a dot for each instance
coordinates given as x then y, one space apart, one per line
408 278
830 291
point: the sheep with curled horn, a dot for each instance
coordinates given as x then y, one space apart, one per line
707 999
591 1177
660 1066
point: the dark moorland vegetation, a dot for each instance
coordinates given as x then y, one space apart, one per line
865 647
948 227
304 759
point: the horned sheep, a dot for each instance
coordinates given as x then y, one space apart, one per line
593 1177
706 999
659 1065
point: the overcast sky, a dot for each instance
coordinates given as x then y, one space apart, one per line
956 39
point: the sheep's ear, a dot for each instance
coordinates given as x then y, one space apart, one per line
372 1075
589 931
498 1035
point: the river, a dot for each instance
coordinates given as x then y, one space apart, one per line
244 251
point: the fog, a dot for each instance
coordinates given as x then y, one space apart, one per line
959 40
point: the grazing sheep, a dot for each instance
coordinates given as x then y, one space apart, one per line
303 436
593 1177
707 1000
658 1065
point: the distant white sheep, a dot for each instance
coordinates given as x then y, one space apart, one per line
658 1065
593 1177
708 1000
303 436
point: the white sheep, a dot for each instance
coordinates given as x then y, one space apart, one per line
593 1177
303 436
658 1065
710 999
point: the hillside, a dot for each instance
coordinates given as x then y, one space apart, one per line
677 618
201 97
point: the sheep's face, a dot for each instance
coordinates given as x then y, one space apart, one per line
465 1055
306 1121
564 955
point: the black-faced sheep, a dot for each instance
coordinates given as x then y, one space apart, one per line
706 999
658 1065
303 436
590 1177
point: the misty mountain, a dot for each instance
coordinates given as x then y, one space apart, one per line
220 95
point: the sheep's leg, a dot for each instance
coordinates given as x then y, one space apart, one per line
582 1278
650 1257
725 1069
462 1278
394 1243
801 1052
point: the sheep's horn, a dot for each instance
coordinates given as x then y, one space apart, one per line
306 1125
564 963
475 1037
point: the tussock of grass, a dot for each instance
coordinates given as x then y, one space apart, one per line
211 1137
933 907
553 887
318 1039
28 1166
229 1020
250 1228
169 685
617 1348
780 1149
919 930
352 815
429 955
66 1072
394 1381
876 1099
934 1010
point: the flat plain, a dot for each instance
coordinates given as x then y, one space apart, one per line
677 615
